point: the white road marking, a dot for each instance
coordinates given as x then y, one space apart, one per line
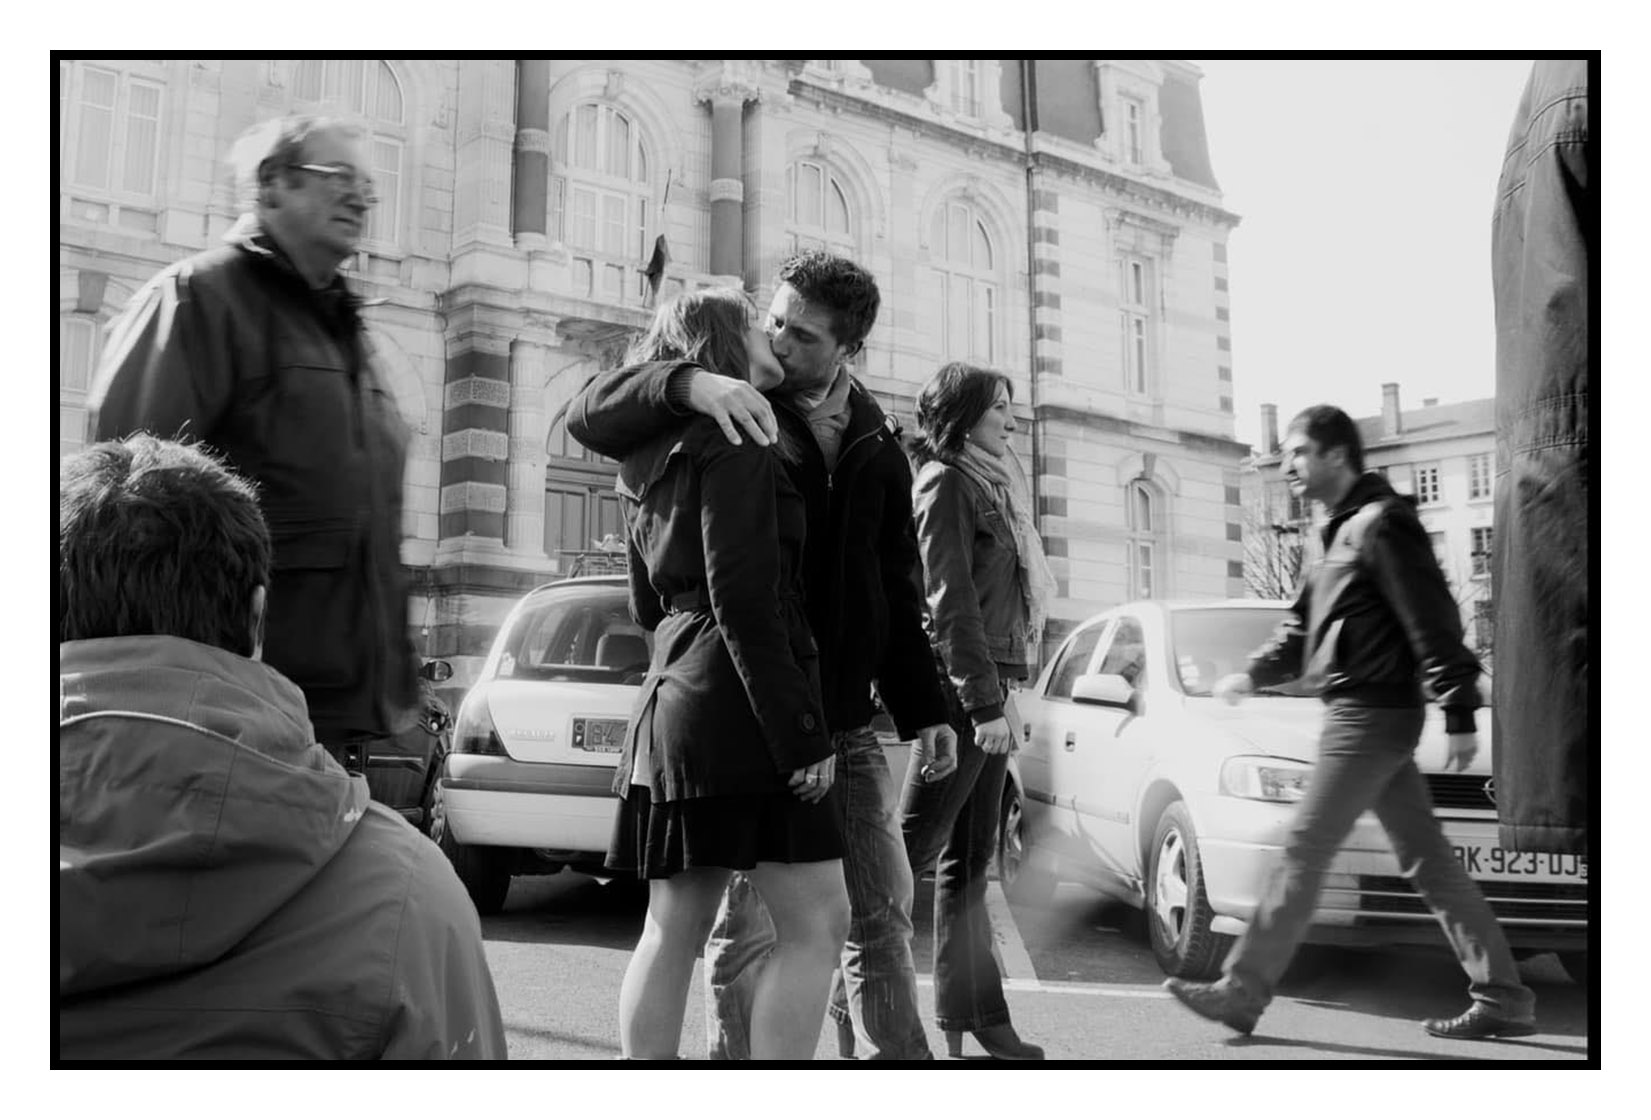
1013 960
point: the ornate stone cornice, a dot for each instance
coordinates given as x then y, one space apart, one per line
724 80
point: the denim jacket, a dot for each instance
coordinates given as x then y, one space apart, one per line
1543 237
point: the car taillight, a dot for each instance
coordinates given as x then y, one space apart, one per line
473 732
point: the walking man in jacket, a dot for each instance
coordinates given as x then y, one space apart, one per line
865 609
257 349
1373 623
225 890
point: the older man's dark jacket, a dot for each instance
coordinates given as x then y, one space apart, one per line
234 349
860 560
1543 236
1375 622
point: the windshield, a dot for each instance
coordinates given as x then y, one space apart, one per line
579 632
1207 644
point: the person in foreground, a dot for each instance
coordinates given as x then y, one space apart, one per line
865 611
225 890
988 584
727 764
1373 622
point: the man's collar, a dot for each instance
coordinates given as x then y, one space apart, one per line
250 234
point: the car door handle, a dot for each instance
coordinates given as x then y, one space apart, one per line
1071 740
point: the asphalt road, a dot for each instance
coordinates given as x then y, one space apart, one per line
1081 983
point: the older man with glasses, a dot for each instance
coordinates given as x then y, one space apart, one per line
257 348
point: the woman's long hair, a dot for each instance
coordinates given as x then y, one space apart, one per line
706 327
950 405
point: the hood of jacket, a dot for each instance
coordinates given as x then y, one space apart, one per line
193 802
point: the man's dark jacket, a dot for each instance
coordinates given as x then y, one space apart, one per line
860 560
1542 240
234 349
1375 619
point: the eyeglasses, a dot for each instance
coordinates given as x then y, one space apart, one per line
343 179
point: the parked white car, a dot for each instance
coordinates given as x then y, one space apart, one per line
527 788
1134 781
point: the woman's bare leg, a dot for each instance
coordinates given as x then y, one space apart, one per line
808 903
654 993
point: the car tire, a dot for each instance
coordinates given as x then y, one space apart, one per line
1577 965
1177 908
1023 881
482 870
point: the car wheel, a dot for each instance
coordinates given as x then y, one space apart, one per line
1178 910
482 870
1022 881
1576 965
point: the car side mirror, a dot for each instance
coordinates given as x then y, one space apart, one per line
1108 690
436 671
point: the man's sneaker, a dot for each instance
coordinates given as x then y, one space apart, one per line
1480 1021
1223 1002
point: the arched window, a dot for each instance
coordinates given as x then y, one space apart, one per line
817 212
365 88
77 352
1145 517
600 200
967 285
581 507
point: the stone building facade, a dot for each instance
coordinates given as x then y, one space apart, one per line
1444 454
1085 256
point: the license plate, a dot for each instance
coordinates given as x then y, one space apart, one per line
604 735
1486 861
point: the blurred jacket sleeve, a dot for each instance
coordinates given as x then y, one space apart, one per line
1279 658
169 365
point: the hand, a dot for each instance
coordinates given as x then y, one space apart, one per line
813 781
1233 687
936 752
995 736
1460 749
733 404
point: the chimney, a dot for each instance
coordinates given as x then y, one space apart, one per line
1269 428
1391 424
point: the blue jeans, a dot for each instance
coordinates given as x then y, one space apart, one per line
1364 763
955 821
876 987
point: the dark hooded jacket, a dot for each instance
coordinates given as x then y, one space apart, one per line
233 348
1543 238
860 560
227 892
1375 623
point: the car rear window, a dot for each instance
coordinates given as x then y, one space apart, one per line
577 633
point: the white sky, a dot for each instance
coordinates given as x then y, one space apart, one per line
1365 191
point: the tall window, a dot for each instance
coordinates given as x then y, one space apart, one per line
112 120
967 287
1479 481
1145 528
600 200
1136 284
966 82
1481 550
77 352
580 504
1426 482
817 209
366 88
1134 127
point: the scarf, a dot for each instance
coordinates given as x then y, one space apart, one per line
1004 480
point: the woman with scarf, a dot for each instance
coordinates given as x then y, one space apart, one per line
987 585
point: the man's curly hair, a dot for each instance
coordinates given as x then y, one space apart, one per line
842 287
